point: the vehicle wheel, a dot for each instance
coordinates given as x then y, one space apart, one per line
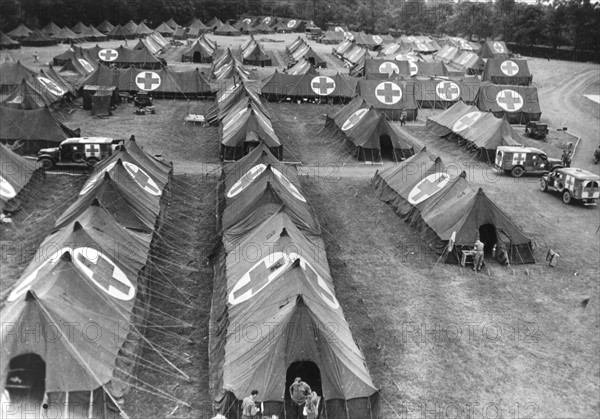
47 163
517 171
92 161
78 157
567 197
543 185
560 186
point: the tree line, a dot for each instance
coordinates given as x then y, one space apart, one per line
572 23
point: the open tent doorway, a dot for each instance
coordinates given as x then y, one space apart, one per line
387 148
488 236
309 372
26 380
197 58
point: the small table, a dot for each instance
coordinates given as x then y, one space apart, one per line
194 119
468 256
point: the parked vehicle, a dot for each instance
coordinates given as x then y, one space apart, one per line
84 150
536 130
573 184
520 160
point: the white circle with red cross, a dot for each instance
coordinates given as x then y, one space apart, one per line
378 40
291 23
147 80
510 68
421 46
411 39
322 85
51 86
247 21
95 177
246 180
498 47
354 119
269 269
339 29
86 66
466 121
92 264
142 179
108 54
509 100
447 90
428 187
464 45
6 189
413 68
267 20
389 68
288 185
388 93
349 36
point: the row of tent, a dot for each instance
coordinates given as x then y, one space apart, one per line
299 50
449 212
91 274
253 53
244 121
271 268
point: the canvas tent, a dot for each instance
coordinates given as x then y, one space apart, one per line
199 52
69 288
440 208
494 49
520 104
481 132
20 32
105 27
123 57
390 97
371 133
15 174
254 54
164 29
11 75
172 23
501 71
33 94
38 39
7 43
329 89
227 30
299 301
442 93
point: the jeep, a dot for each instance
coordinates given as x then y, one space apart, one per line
520 160
573 184
85 150
142 99
536 130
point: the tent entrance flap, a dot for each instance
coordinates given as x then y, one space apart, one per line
488 236
309 372
387 148
25 381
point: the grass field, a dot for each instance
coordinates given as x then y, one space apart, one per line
440 341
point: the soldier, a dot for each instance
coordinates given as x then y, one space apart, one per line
249 409
478 262
299 391
566 158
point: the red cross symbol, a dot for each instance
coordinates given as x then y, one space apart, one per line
518 158
509 100
103 273
142 179
448 90
259 277
51 86
108 54
322 85
388 93
354 118
147 80
315 279
428 187
93 150
466 121
510 68
498 47
388 68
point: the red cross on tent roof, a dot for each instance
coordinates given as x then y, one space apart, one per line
148 80
323 85
388 92
108 54
448 90
354 118
428 188
103 272
388 68
509 100
259 277
142 179
509 68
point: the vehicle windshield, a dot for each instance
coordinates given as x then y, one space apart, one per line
543 157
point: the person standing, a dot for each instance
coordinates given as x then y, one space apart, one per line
36 57
299 391
478 262
312 406
249 409
566 158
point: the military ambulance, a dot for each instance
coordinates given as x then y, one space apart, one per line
520 160
85 150
573 184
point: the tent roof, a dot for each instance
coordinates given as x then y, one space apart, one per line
51 29
172 23
15 172
105 26
504 71
227 29
494 49
383 94
14 72
502 98
164 28
37 124
20 32
6 41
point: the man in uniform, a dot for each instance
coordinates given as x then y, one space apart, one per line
299 391
249 409
478 262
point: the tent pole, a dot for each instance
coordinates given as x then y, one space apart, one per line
346 406
91 406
